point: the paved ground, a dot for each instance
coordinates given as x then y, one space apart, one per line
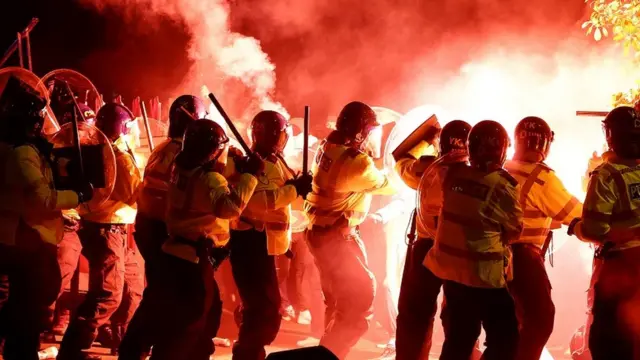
366 348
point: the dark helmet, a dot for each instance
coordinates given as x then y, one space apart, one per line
355 122
453 137
88 114
533 134
488 144
21 109
113 119
204 141
269 132
184 110
622 129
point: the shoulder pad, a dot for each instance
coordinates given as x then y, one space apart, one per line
510 179
351 152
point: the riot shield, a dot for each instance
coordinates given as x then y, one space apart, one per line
139 141
299 221
98 159
82 88
51 124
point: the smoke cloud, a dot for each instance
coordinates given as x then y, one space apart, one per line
230 64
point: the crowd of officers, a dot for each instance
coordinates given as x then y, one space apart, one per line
483 225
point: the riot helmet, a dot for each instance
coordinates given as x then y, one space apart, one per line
453 137
355 122
622 130
204 142
22 111
533 135
183 111
488 143
114 120
270 132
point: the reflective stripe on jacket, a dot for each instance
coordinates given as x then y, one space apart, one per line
344 180
32 196
480 216
543 199
200 205
152 200
270 207
612 207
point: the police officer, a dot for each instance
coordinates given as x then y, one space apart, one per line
104 240
420 288
345 179
200 206
32 222
150 227
609 219
480 216
70 248
261 234
543 199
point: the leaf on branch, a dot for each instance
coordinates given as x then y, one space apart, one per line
597 35
585 24
605 32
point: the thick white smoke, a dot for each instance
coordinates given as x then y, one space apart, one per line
221 58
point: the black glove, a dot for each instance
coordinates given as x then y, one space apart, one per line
85 193
302 183
572 226
252 164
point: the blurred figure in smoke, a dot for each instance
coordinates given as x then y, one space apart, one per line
150 226
200 205
383 210
31 224
345 179
609 220
480 215
420 288
263 233
544 200
103 235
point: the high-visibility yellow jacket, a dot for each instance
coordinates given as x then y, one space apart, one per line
611 210
480 216
152 200
429 187
32 196
200 205
543 199
344 179
270 207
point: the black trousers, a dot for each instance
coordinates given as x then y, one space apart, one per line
417 304
469 309
104 246
531 291
34 279
143 329
193 309
254 271
304 284
614 332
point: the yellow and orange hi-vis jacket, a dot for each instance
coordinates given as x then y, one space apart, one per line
200 205
32 197
480 216
611 211
152 198
429 188
543 199
270 206
120 208
344 180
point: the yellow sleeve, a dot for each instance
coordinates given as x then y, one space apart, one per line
369 179
229 202
128 180
24 169
507 210
597 209
557 203
264 200
411 170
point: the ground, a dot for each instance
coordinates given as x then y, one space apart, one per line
366 348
